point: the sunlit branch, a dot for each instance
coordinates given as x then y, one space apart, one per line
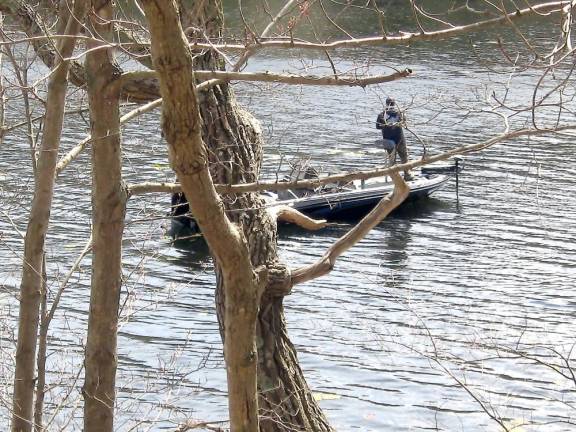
78 148
283 78
385 40
331 21
248 50
416 17
404 38
151 187
564 44
288 214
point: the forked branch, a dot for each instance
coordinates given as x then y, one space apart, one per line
288 214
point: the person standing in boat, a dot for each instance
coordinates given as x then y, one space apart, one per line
390 122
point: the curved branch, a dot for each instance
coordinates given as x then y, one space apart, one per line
325 264
288 214
405 38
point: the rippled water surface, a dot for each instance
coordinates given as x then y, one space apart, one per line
417 328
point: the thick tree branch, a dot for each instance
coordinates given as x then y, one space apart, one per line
151 187
108 219
288 214
325 264
223 76
182 126
31 286
405 38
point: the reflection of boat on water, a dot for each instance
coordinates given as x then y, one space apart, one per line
332 201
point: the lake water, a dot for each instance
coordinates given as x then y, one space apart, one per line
412 331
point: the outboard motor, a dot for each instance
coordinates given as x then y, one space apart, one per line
182 223
300 171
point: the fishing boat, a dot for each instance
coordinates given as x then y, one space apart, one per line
357 198
333 201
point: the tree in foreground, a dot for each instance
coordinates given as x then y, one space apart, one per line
32 285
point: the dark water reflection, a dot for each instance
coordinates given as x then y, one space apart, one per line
461 281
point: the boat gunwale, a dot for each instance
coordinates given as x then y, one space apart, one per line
368 193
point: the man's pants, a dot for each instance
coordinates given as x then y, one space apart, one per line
392 148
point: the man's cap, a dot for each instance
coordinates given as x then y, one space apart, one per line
390 101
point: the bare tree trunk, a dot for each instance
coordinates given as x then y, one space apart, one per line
2 95
235 144
31 284
108 213
41 360
285 400
182 127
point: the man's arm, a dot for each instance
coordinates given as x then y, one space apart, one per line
380 121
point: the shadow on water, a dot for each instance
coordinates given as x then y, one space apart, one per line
418 208
423 207
394 252
192 254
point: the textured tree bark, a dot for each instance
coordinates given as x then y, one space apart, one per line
31 284
41 358
2 95
234 140
182 126
108 212
235 144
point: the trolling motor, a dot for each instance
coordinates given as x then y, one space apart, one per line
453 168
457 168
